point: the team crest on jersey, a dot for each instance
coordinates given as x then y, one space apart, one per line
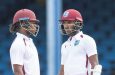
66 13
76 42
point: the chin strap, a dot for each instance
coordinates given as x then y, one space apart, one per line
97 70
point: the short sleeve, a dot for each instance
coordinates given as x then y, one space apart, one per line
62 55
17 54
90 47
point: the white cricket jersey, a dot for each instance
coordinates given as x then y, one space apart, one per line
23 52
75 52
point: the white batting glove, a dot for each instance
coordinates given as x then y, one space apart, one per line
97 70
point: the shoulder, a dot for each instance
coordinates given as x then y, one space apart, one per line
88 38
17 43
63 45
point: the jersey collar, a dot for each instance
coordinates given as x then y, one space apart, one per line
23 36
78 36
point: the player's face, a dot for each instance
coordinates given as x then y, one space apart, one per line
68 26
33 27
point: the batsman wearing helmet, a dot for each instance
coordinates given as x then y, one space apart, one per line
79 52
23 53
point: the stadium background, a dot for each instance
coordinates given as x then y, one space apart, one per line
99 22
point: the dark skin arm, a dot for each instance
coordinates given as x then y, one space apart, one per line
61 70
18 69
93 61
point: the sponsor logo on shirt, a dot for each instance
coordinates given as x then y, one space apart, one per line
76 42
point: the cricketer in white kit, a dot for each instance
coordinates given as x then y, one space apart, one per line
23 53
79 52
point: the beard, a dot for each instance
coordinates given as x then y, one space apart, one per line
72 32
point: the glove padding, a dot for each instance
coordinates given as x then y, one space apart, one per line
97 70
